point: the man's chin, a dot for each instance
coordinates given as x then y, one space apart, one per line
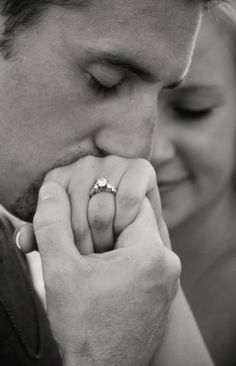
25 205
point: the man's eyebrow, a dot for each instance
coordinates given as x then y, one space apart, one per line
120 60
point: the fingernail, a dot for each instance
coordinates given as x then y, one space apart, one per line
17 240
47 191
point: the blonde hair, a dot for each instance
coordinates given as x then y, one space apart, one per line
225 12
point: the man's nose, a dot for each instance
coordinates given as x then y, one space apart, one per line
129 133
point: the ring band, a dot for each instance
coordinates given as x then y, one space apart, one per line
102 185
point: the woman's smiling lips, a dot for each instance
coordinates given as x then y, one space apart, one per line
168 185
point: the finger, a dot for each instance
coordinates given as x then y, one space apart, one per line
101 210
137 182
154 197
77 179
101 213
78 193
52 225
147 244
143 228
164 234
25 238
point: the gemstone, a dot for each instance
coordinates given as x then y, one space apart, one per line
102 182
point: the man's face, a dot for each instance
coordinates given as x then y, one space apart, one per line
86 81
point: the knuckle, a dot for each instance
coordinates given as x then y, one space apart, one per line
173 264
157 261
87 162
147 169
114 160
163 270
129 200
89 159
172 273
153 262
53 176
160 270
144 164
151 272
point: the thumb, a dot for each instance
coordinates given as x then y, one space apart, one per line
52 225
155 200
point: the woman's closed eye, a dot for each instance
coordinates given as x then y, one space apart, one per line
191 113
193 103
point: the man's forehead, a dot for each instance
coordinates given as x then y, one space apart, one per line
132 18
135 19
158 10
156 30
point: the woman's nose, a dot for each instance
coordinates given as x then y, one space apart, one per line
163 148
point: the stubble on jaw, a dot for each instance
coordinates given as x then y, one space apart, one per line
25 205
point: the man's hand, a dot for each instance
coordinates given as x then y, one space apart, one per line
132 287
108 308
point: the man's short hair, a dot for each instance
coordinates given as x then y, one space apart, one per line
19 14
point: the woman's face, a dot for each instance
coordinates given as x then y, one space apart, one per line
195 138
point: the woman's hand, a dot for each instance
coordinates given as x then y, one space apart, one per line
98 221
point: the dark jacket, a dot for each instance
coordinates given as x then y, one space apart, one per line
25 335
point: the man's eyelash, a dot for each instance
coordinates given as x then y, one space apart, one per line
103 90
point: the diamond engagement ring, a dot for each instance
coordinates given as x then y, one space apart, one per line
102 185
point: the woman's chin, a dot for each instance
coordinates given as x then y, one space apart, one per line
177 205
172 219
